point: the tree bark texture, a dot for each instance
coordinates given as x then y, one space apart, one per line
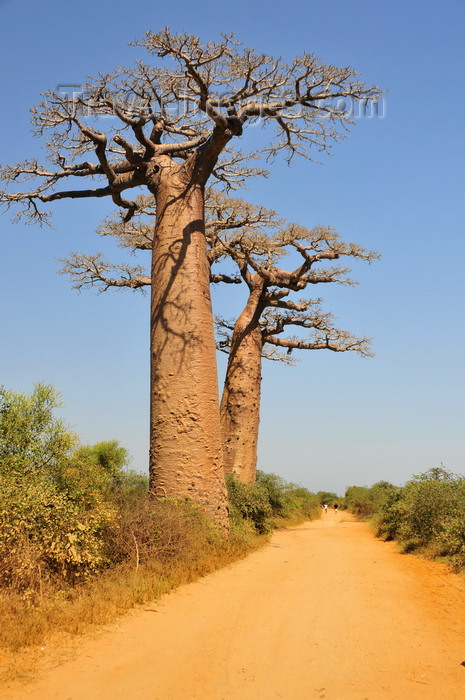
240 404
185 439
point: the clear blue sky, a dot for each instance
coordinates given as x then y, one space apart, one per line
396 184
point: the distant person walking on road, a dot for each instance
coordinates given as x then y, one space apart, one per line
325 507
336 507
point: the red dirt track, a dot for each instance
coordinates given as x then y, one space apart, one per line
324 611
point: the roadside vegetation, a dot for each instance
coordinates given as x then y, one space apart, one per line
81 539
426 515
269 503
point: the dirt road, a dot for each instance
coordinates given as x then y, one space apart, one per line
324 611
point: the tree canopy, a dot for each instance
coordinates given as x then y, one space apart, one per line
193 106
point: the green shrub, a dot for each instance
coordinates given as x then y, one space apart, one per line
250 502
425 504
91 473
57 498
433 514
426 514
451 538
327 497
44 536
360 500
31 438
270 502
288 501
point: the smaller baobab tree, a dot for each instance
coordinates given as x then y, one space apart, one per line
254 337
271 312
256 241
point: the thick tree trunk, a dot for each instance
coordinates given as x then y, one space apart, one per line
240 404
185 441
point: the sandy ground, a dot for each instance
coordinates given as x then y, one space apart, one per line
324 611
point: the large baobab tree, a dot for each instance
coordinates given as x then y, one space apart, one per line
257 241
172 129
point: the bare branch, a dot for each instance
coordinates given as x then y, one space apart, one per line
92 271
227 279
334 339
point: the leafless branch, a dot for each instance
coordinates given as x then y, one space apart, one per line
93 271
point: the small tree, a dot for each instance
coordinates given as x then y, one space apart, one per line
32 440
53 508
93 473
173 128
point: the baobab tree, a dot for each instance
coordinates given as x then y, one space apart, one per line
256 240
271 310
172 130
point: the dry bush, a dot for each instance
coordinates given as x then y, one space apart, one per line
155 546
150 547
160 529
